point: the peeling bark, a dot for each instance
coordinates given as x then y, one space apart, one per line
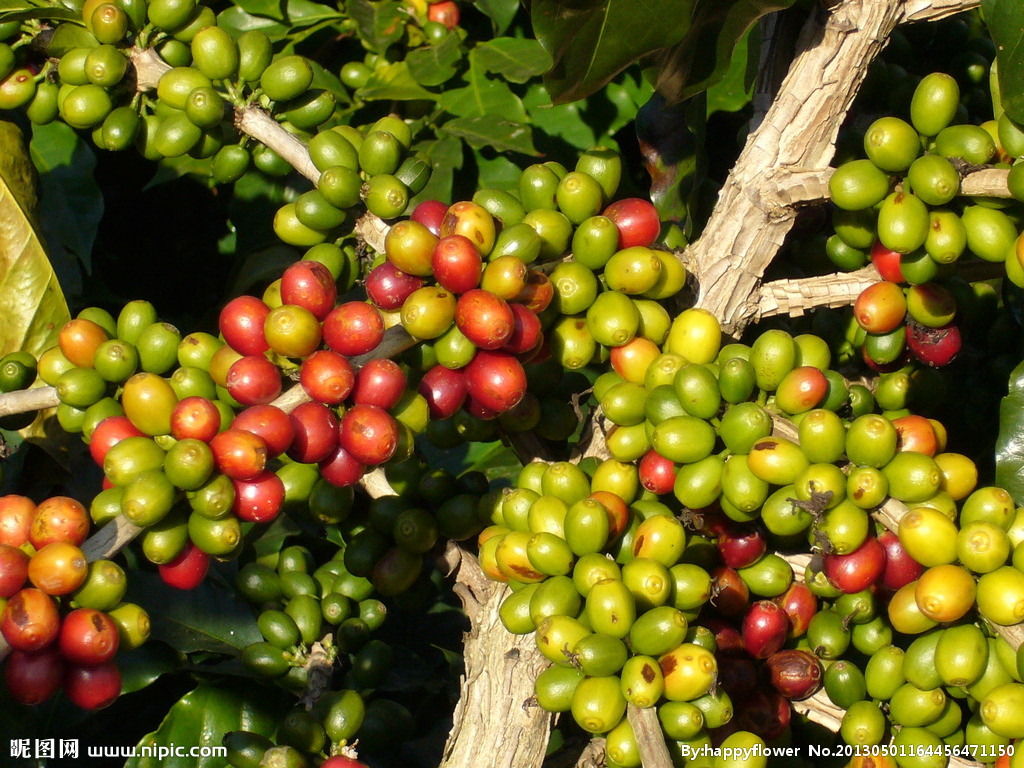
493 723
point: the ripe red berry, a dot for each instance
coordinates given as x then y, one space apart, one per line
32 678
457 264
637 221
327 376
380 382
16 517
253 379
368 433
258 500
430 213
195 417
315 433
109 433
239 454
187 570
241 323
88 637
270 423
484 319
354 328
310 285
93 687
495 380
388 287
445 391
30 621
446 12
340 468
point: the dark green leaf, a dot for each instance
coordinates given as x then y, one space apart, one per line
627 94
255 201
734 90
394 81
259 268
670 139
497 172
591 41
1010 441
702 58
445 155
381 22
492 131
566 121
324 78
501 12
269 8
435 64
305 12
201 718
273 536
67 36
514 59
47 14
207 618
1005 20
142 666
237 21
483 96
71 202
496 460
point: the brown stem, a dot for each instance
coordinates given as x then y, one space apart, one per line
649 736
786 159
492 717
25 400
796 297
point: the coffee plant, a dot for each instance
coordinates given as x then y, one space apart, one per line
440 383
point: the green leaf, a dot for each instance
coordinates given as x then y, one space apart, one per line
497 171
236 21
381 22
394 82
702 58
671 141
302 13
1005 20
435 64
142 666
269 8
201 718
514 59
501 12
735 89
496 460
492 131
566 121
208 618
32 305
272 538
47 13
626 94
445 155
590 41
1010 440
71 202
67 36
483 96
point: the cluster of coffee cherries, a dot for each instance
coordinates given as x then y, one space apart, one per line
63 618
901 208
